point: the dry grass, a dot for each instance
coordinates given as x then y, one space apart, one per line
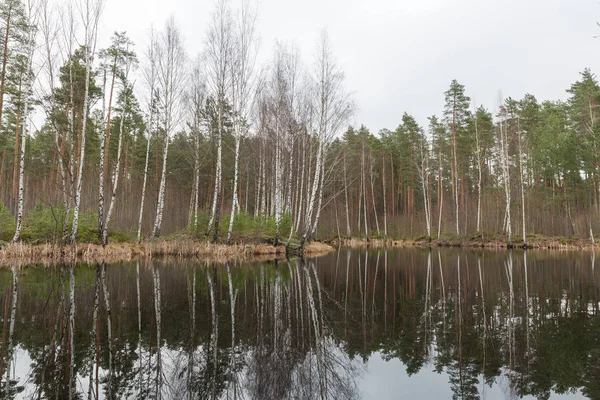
314 248
114 252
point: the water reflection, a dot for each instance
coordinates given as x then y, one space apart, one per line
493 324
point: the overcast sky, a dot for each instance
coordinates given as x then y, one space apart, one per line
400 55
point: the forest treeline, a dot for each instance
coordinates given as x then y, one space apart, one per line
141 142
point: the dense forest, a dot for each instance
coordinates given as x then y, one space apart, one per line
153 141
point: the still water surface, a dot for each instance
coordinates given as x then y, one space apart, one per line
373 324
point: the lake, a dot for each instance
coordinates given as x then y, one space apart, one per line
368 323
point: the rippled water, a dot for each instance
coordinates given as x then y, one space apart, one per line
373 324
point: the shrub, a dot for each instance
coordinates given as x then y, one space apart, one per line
245 224
45 223
7 224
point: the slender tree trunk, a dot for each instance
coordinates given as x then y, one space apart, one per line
478 159
385 230
90 40
21 181
522 188
5 60
161 192
196 181
506 178
115 178
28 85
140 219
348 231
235 187
364 191
104 152
373 194
319 203
441 189
313 194
15 186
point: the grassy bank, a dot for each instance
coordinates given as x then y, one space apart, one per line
51 253
476 241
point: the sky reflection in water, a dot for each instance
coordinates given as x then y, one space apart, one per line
374 324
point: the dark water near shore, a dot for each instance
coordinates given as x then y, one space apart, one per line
376 324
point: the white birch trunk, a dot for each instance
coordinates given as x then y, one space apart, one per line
21 178
506 178
348 230
91 30
373 196
140 219
319 205
32 16
234 202
197 182
287 208
88 67
364 191
478 159
522 187
385 230
277 186
301 190
313 196
161 192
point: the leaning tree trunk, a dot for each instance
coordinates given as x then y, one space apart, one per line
161 193
319 204
104 146
86 100
313 196
115 180
139 233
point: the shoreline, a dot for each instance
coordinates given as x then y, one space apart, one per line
52 253
535 242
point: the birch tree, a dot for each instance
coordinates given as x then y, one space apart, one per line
332 108
90 13
150 74
126 94
219 44
478 160
422 161
171 79
505 169
244 51
33 16
196 100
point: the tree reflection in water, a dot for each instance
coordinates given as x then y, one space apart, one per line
521 323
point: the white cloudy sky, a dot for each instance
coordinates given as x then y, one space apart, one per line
400 55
